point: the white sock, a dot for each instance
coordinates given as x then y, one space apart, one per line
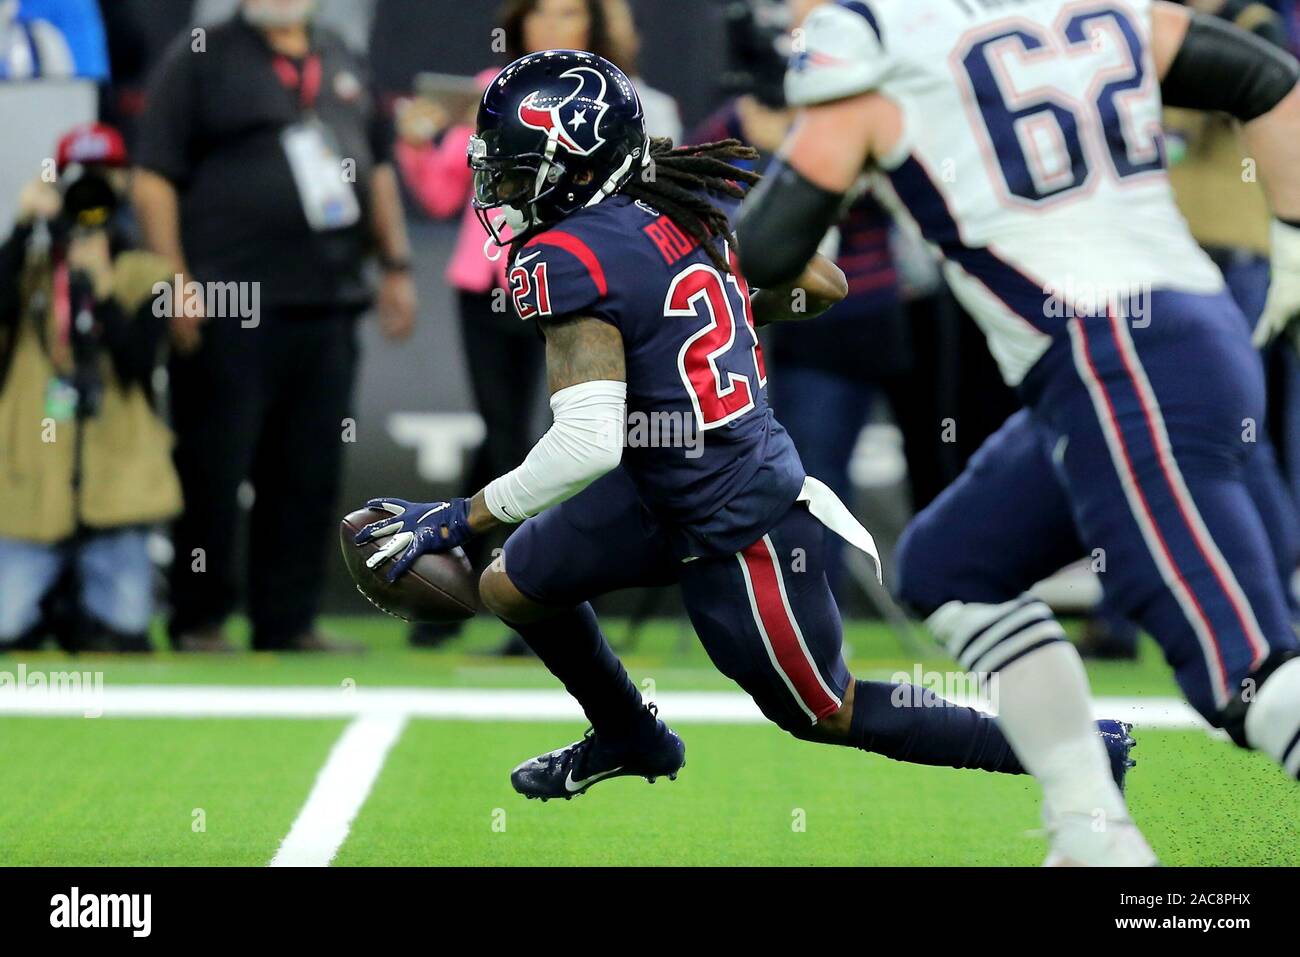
1041 695
1045 712
1273 719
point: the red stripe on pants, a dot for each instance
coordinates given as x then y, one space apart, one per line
782 636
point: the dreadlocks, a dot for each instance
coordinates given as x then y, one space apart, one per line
677 181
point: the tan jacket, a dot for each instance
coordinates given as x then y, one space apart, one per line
127 472
1215 185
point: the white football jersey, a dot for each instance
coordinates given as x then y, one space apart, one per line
1032 155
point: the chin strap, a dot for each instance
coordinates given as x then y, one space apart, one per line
617 177
492 246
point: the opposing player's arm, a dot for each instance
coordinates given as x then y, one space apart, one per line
586 372
801 196
1209 64
841 124
821 286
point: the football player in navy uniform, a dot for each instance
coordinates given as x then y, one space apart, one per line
664 464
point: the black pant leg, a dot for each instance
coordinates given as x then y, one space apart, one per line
296 471
983 396
217 399
505 356
921 399
527 367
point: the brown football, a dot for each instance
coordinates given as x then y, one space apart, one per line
438 588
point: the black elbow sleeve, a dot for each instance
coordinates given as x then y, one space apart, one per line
782 224
1222 67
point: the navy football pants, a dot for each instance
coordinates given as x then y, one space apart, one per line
1133 452
765 615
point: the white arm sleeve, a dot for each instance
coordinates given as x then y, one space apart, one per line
585 442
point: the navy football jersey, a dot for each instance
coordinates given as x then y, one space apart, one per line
708 459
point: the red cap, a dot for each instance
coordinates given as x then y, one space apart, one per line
91 143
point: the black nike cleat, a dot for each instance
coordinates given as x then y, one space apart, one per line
571 771
1119 742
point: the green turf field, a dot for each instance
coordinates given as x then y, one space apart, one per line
204 791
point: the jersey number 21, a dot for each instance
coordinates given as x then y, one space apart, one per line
721 365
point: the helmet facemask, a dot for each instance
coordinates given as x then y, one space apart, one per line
515 185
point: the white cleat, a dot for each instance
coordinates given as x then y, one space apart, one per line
1085 840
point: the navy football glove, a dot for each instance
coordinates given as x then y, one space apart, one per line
417 528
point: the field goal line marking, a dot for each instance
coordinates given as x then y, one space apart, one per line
342 786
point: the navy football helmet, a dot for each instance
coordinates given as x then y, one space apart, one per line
557 131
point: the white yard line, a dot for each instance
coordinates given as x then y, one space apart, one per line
340 789
219 701
380 714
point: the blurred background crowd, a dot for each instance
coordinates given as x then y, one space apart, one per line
211 345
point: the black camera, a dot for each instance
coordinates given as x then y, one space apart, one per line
89 200
90 204
84 336
757 50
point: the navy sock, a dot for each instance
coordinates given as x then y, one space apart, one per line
572 647
909 723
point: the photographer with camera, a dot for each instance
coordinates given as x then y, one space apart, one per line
85 464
